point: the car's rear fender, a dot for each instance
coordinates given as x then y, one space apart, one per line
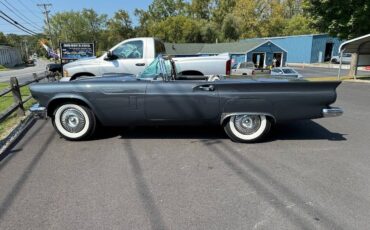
251 106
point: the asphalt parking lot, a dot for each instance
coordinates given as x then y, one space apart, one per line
307 175
326 72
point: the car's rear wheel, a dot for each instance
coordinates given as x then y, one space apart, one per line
247 128
74 122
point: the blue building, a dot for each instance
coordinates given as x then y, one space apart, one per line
312 48
261 52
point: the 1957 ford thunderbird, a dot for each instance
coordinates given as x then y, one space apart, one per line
245 108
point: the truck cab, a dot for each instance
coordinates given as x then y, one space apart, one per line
129 56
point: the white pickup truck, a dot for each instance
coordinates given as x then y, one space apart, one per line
133 55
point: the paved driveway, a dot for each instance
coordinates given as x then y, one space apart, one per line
24 73
308 175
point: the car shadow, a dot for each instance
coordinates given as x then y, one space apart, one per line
296 130
161 132
303 130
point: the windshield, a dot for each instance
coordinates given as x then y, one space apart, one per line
157 69
288 71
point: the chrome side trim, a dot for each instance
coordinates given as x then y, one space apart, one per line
227 115
38 111
332 112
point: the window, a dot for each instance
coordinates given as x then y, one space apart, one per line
288 71
276 71
159 47
129 50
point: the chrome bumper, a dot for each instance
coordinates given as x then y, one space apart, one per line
332 112
38 111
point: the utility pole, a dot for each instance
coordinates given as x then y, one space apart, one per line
46 13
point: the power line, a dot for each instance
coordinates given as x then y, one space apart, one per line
14 24
24 6
8 5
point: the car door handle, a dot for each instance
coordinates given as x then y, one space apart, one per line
207 87
140 64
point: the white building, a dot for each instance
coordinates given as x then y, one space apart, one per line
10 56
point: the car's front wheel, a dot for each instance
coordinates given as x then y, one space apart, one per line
247 128
74 122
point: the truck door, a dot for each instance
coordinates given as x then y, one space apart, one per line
130 58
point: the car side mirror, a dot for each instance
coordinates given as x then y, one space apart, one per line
110 56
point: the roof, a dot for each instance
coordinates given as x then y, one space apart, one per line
235 47
214 48
359 45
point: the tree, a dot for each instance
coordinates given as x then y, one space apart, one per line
209 32
119 27
345 19
3 39
77 26
221 9
162 9
177 29
94 22
298 25
230 29
200 9
250 16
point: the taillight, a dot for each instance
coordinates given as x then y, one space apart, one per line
228 67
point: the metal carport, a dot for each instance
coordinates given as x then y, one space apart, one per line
360 50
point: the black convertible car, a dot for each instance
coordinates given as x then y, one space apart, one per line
245 108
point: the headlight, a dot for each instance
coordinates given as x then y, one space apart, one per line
65 73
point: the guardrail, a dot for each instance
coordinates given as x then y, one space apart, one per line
14 88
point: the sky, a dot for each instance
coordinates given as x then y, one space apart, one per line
27 13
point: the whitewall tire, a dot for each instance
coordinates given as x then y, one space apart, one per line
74 122
247 128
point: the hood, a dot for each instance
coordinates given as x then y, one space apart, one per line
83 61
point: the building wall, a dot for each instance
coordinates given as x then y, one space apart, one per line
298 47
318 47
269 49
10 56
305 48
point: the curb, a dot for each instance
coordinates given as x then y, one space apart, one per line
358 81
18 132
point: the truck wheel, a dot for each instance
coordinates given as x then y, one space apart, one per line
74 122
247 128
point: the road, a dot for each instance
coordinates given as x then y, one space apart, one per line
24 73
307 175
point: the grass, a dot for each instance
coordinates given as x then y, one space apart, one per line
5 102
2 68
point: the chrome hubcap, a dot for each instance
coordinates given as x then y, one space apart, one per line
247 124
72 120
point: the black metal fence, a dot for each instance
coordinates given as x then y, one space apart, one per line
15 89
